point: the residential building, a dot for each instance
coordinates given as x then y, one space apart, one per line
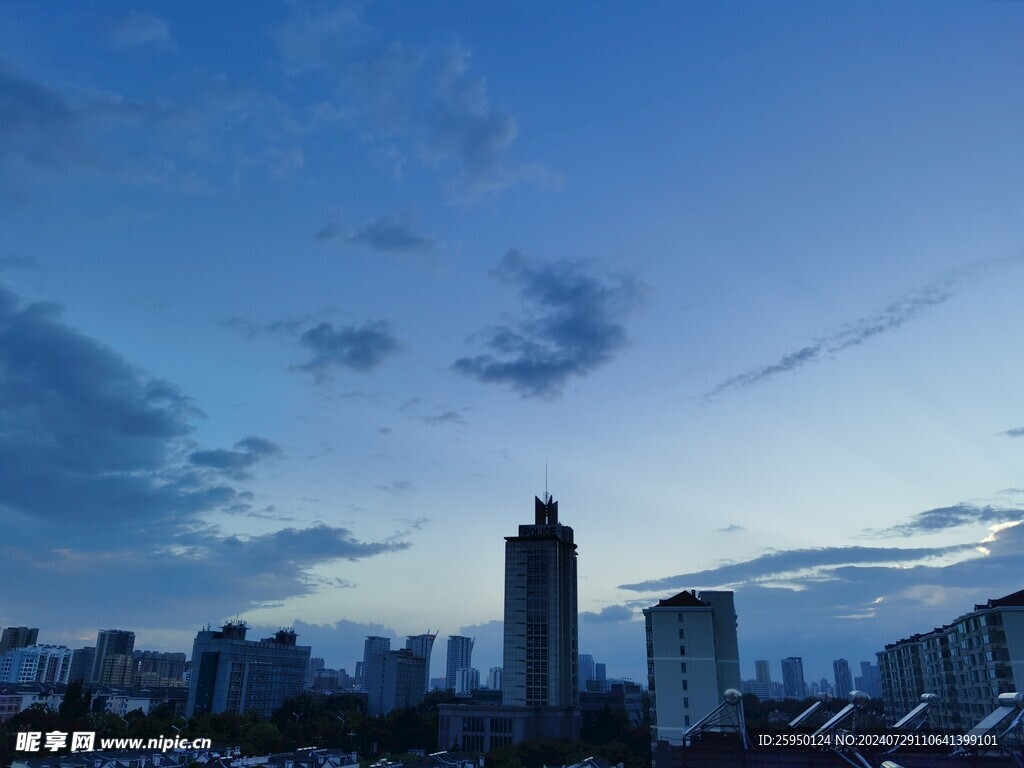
397 682
371 646
494 679
36 664
460 656
232 674
81 664
600 677
843 677
968 663
540 677
18 637
467 680
868 680
793 684
763 680
692 659
586 670
116 671
422 646
108 643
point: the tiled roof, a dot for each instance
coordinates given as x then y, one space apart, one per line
683 600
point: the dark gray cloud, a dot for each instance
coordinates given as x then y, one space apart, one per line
608 613
731 528
356 348
448 416
390 233
579 327
235 463
1015 432
906 308
945 518
102 490
140 28
428 100
398 486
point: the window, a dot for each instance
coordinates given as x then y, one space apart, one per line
682 633
682 650
686 702
686 685
682 667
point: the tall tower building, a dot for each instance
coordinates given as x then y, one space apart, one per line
373 646
460 656
586 670
793 684
541 632
422 646
843 678
111 642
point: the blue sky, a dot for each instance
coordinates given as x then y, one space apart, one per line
297 301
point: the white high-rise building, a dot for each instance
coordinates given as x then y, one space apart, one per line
374 645
467 680
422 646
692 659
494 679
36 664
460 656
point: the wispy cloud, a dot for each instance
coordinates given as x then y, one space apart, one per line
1015 432
235 463
427 99
354 347
140 28
448 416
731 528
946 518
579 328
900 312
389 233
608 613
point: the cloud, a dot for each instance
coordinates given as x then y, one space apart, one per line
139 29
356 348
102 490
13 263
1015 432
389 233
579 327
945 518
906 308
444 417
796 565
234 463
427 98
251 329
608 613
731 528
397 486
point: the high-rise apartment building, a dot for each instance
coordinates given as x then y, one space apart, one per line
372 646
232 674
692 659
869 680
18 637
396 681
460 656
793 683
968 663
843 677
110 642
763 680
586 670
540 678
36 664
422 646
541 626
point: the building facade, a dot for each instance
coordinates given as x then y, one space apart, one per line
371 646
110 642
18 637
36 664
540 677
793 684
422 646
397 681
967 663
232 674
460 656
843 677
692 659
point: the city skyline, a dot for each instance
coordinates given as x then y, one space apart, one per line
305 301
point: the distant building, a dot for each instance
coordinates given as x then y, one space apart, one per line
108 643
968 663
762 687
843 677
460 656
116 670
397 681
586 667
467 680
153 669
18 637
692 659
81 664
793 684
36 664
494 679
315 665
232 674
869 680
371 646
600 677
422 646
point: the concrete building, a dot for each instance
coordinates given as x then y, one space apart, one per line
692 659
108 643
869 680
422 646
18 637
968 663
467 680
81 664
763 680
36 664
540 678
232 674
586 670
397 681
793 683
494 679
371 646
460 656
843 677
